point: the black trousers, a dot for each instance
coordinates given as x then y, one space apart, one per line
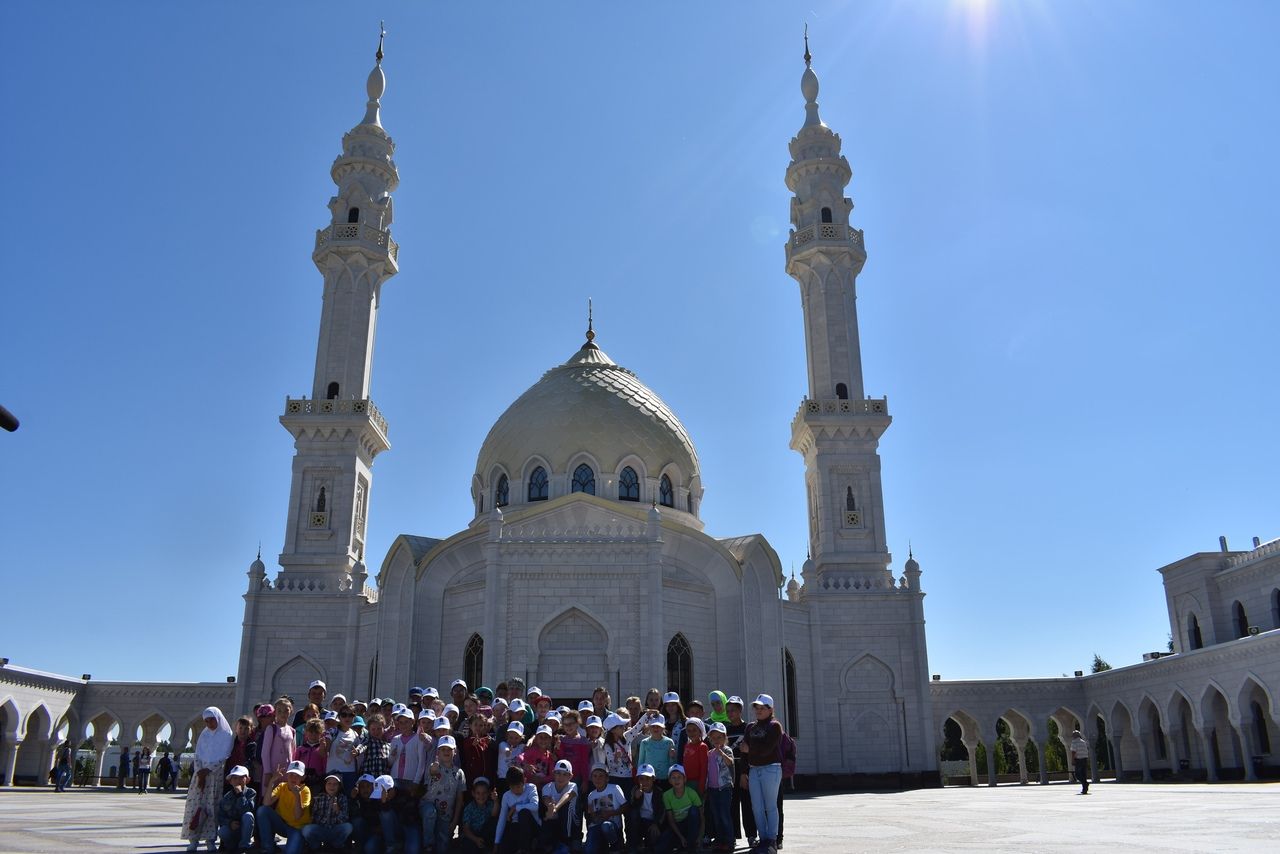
1082 773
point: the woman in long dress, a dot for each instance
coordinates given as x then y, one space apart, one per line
200 821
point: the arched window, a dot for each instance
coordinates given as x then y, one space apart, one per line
538 484
1194 640
849 503
842 391
501 495
353 215
680 667
1275 608
1242 622
473 661
332 393
628 485
320 501
666 495
1261 737
584 480
793 714
826 214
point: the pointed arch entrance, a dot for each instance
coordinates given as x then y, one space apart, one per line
573 654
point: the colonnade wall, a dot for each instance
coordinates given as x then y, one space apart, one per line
1205 714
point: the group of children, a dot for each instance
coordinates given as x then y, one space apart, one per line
507 771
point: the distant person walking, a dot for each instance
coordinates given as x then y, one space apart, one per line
64 767
1080 760
124 767
142 770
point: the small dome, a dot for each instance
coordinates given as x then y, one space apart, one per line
258 567
588 405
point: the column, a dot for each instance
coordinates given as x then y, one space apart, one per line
1173 738
971 747
1022 762
9 759
991 762
1206 745
1117 756
1249 748
1146 762
45 753
100 747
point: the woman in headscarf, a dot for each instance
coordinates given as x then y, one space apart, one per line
719 714
213 746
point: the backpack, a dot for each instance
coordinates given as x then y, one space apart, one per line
787 749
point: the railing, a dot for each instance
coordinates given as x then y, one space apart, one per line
1264 550
335 407
860 582
353 233
826 231
869 406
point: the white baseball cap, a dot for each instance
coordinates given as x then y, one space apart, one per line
594 720
450 707
516 727
611 720
517 705
457 683
671 697
429 714
535 691
442 723
544 730
337 697
716 726
446 741
763 700
432 693
676 769
367 778
657 720
238 771
586 706
384 783
317 684
563 765
734 699
646 771
553 716
702 728
297 766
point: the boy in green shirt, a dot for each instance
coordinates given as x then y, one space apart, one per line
684 815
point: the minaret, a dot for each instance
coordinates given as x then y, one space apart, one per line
837 430
338 431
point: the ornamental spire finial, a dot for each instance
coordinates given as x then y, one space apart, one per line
808 57
591 331
376 84
382 34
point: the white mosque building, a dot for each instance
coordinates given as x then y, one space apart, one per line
587 562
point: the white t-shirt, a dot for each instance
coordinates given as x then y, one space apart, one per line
1081 748
549 790
608 798
646 804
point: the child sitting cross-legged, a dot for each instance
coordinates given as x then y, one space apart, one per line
235 812
285 810
558 798
684 815
479 818
330 819
518 818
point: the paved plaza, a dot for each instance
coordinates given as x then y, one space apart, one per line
1131 817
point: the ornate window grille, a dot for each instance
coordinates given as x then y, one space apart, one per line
628 485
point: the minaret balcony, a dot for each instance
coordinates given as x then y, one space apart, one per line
357 235
840 406
334 407
824 235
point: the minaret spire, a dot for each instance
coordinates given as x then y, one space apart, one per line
377 83
807 56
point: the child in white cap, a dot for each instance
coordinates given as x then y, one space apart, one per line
606 805
236 811
647 812
509 752
330 817
558 800
719 796
285 810
518 817
684 814
442 800
657 750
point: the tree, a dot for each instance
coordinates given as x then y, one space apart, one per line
1055 756
1171 642
953 748
1099 664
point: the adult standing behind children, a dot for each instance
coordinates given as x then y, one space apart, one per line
762 747
213 746
1080 760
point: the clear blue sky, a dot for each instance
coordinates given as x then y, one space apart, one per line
1070 297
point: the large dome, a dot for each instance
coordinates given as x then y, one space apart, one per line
589 410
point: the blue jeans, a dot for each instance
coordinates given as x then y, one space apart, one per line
394 830
604 836
668 841
436 828
271 823
335 836
720 810
228 836
765 780
62 779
